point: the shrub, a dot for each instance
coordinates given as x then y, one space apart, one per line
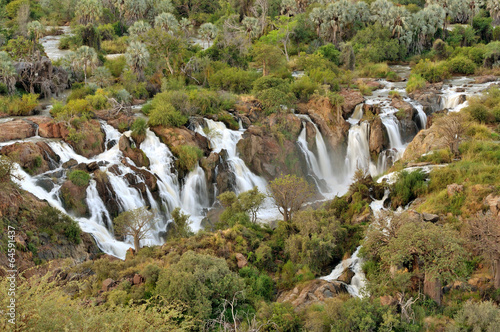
165 115
80 93
51 219
233 79
187 156
326 76
461 65
268 82
123 96
79 178
480 113
432 71
116 65
407 187
303 88
415 82
139 128
99 100
274 100
330 52
19 106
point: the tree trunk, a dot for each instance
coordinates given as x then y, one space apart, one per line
137 245
285 216
432 288
496 272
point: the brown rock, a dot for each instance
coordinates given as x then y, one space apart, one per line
432 288
429 217
485 79
175 137
108 284
35 158
454 188
135 154
242 261
351 99
378 141
425 141
16 130
138 279
494 203
73 198
346 276
312 292
387 300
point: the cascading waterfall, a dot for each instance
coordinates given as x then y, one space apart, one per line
358 149
422 117
195 193
222 138
357 115
312 162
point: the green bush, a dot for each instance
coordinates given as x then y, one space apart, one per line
268 82
407 187
187 156
233 79
165 115
330 52
51 219
415 82
79 178
432 71
461 65
139 128
303 88
19 106
80 93
480 113
273 100
116 65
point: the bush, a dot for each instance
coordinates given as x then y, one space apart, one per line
303 88
19 106
268 82
80 92
407 187
51 219
233 79
79 178
116 65
139 128
415 82
480 113
165 115
187 156
330 52
432 71
461 65
99 100
274 100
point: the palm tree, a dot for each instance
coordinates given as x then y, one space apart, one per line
35 31
137 58
89 11
208 32
252 28
494 7
167 22
139 28
86 58
185 26
8 73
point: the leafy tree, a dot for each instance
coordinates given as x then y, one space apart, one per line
137 57
494 7
203 282
136 223
139 28
167 22
290 193
8 73
180 225
248 202
208 32
35 31
166 50
267 57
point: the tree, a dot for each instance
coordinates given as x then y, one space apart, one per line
208 32
290 193
137 57
179 227
452 127
267 57
167 22
139 28
89 11
86 58
166 50
8 73
494 7
35 32
136 223
248 202
484 231
185 25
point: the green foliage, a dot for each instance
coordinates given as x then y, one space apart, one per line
79 178
431 71
461 65
248 203
165 115
233 79
374 44
268 82
116 65
139 128
280 317
303 88
19 106
202 282
259 286
482 316
275 100
330 52
407 187
187 156
180 227
415 82
99 100
51 219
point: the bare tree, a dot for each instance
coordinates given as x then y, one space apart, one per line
136 223
452 127
484 231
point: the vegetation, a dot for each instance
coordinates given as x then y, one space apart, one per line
136 223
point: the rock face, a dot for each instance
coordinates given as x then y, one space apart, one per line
433 289
425 141
351 99
312 292
485 79
73 198
242 261
135 154
454 188
34 158
379 139
428 97
16 130
494 203
175 137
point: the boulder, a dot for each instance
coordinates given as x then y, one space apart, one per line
346 276
425 141
242 261
315 291
433 289
351 99
135 154
429 97
494 203
485 79
16 130
379 140
137 280
429 217
35 158
454 188
108 284
175 137
74 198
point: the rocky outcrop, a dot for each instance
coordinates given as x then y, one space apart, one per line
429 97
494 203
351 99
379 141
135 154
16 130
241 260
107 193
425 141
315 291
175 137
34 158
74 198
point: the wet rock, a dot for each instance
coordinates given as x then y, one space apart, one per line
379 139
70 163
135 154
34 158
16 130
175 137
429 97
485 79
92 166
90 138
351 99
74 198
454 188
346 276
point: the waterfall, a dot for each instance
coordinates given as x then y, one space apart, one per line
357 115
358 281
422 117
97 208
195 192
222 138
312 162
392 126
358 148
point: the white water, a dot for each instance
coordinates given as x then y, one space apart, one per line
358 281
358 150
51 44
